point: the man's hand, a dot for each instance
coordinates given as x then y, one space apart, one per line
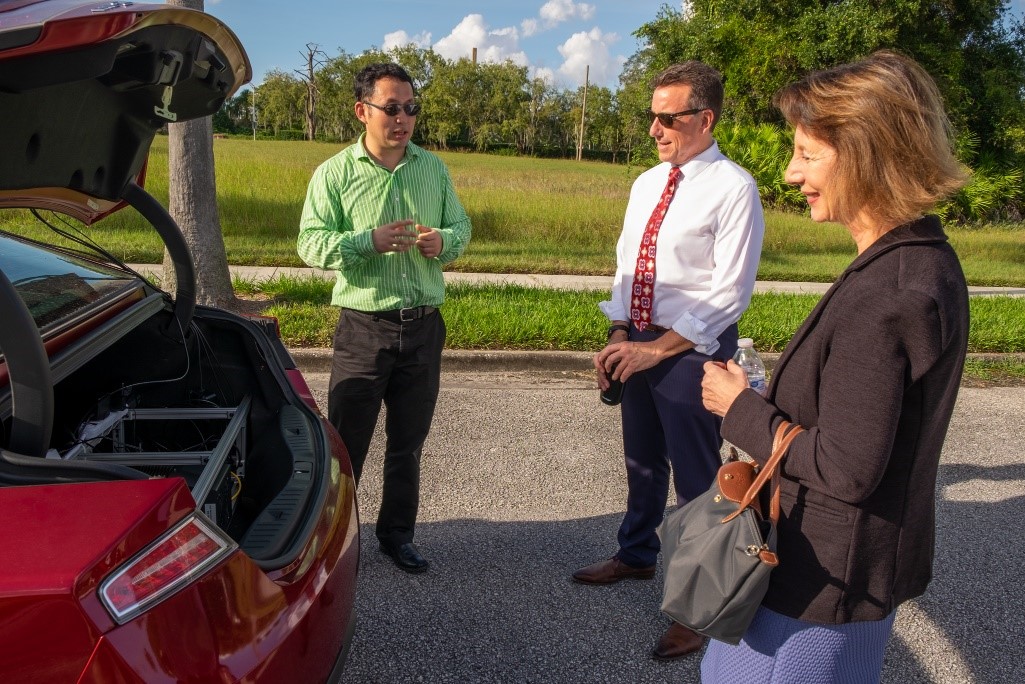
631 357
627 358
397 236
599 359
429 241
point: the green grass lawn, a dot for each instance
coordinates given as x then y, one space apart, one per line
534 216
517 317
524 318
529 216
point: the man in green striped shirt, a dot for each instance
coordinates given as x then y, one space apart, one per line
383 213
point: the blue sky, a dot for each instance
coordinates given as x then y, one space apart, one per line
556 39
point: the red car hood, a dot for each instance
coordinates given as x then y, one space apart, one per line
59 542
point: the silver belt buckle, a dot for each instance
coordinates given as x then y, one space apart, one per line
407 315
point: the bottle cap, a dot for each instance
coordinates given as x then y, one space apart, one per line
745 342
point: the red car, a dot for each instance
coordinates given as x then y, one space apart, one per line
175 507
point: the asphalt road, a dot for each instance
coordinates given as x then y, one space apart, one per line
523 482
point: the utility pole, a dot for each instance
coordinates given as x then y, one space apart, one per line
252 105
583 113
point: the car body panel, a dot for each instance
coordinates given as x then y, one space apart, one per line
286 624
54 558
272 636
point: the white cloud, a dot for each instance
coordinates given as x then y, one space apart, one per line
545 74
557 11
397 39
591 49
492 45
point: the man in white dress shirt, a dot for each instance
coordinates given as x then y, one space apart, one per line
675 305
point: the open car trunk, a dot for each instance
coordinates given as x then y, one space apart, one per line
237 432
204 405
145 386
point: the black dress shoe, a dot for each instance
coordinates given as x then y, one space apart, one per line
406 556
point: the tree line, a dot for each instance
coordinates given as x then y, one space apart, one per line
975 49
481 106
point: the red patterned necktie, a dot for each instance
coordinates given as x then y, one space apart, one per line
644 272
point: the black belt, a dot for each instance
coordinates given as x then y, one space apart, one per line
402 315
657 329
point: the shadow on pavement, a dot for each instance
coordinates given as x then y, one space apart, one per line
972 618
498 605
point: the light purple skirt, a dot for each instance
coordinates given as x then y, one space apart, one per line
781 650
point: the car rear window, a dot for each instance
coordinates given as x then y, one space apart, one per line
56 286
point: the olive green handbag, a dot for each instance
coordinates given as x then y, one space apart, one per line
719 548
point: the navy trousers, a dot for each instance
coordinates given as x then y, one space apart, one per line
666 428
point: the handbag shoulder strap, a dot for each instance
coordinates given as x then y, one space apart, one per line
785 434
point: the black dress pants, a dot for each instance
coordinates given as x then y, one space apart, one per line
378 358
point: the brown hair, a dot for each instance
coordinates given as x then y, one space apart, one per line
884 117
706 91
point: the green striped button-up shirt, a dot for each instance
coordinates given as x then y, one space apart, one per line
350 195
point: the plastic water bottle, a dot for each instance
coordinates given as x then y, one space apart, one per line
748 359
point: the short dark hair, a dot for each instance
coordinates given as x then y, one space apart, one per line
706 91
367 78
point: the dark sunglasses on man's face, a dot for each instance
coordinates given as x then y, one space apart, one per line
667 119
393 109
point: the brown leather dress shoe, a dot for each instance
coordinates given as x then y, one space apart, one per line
677 642
611 570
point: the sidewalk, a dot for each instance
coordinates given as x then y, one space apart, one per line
559 282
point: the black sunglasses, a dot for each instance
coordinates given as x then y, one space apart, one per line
393 109
668 119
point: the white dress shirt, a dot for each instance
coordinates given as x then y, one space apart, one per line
708 248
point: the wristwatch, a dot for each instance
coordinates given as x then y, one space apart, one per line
617 326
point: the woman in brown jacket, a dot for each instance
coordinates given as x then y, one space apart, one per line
872 375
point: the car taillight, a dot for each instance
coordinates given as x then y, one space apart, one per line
165 567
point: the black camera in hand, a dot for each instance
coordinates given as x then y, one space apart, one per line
614 394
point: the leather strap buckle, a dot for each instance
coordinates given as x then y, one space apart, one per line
411 314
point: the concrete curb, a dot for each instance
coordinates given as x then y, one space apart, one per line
318 360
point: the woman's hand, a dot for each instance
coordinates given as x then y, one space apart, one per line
721 385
